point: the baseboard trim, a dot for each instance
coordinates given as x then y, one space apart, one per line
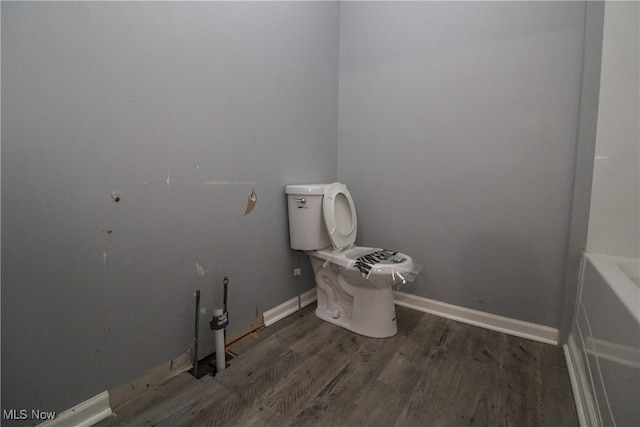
574 385
289 307
518 328
84 414
587 412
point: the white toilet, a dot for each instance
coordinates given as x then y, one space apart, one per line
353 282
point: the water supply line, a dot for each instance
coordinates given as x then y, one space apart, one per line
225 286
195 336
299 289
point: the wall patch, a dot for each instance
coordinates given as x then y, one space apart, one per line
200 269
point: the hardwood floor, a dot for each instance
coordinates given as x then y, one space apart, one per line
306 372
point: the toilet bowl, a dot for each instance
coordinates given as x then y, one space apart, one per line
353 283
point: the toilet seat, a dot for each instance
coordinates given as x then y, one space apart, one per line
396 268
339 214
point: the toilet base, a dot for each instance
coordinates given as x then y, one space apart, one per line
365 310
388 330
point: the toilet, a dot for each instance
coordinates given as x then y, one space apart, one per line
353 282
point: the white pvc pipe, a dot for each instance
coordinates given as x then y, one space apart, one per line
219 335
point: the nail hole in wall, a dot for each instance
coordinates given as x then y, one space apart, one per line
116 196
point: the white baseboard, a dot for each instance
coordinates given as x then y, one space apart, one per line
518 328
574 385
85 414
289 307
587 413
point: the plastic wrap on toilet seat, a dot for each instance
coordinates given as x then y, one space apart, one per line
381 267
364 263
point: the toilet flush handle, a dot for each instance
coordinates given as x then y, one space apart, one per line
300 200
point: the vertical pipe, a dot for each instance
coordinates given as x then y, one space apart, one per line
225 284
219 338
195 336
299 290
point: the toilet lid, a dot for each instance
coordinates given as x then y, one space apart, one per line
339 216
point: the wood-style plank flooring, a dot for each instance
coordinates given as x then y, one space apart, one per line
306 372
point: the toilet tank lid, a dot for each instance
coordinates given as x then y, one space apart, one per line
308 189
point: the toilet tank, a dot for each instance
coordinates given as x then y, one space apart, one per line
307 231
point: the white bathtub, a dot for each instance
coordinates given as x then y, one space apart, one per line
603 350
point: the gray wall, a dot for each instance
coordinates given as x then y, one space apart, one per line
163 103
457 139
